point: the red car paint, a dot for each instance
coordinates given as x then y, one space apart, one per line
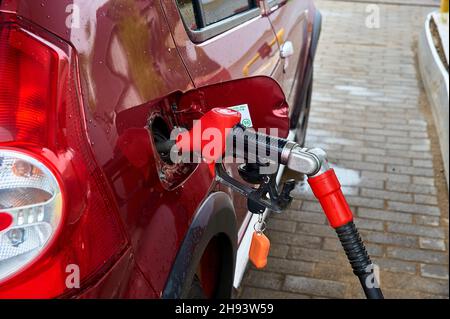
130 54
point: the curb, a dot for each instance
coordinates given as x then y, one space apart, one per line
436 83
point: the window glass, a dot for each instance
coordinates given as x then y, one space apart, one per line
188 13
216 10
201 13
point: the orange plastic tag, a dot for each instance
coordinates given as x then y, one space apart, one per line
259 250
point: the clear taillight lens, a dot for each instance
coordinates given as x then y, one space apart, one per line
30 195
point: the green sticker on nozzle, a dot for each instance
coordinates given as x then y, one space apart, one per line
243 109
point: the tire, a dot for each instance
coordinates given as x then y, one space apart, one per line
196 290
302 124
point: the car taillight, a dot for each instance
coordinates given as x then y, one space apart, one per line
57 212
30 195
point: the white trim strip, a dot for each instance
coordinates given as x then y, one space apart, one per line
244 247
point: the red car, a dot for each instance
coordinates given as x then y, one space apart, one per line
88 89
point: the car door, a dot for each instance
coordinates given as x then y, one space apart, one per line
290 19
220 40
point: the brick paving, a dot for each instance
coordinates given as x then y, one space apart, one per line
370 113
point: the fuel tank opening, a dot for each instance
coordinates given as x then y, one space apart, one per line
161 136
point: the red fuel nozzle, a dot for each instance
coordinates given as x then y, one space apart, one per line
210 130
327 189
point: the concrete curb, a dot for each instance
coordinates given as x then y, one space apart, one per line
435 80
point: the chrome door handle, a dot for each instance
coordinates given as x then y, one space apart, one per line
287 50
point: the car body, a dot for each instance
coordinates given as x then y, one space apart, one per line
149 236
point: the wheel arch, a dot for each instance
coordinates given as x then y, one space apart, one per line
215 217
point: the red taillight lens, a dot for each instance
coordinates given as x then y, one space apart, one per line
27 90
6 221
42 122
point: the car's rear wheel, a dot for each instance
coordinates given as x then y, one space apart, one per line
196 291
302 124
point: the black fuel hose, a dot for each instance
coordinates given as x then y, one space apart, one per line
359 259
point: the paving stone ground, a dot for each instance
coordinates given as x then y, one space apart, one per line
371 113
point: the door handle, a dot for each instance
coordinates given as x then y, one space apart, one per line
287 50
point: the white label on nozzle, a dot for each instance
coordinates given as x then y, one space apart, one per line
246 119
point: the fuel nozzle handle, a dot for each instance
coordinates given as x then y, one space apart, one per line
326 188
258 147
262 149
